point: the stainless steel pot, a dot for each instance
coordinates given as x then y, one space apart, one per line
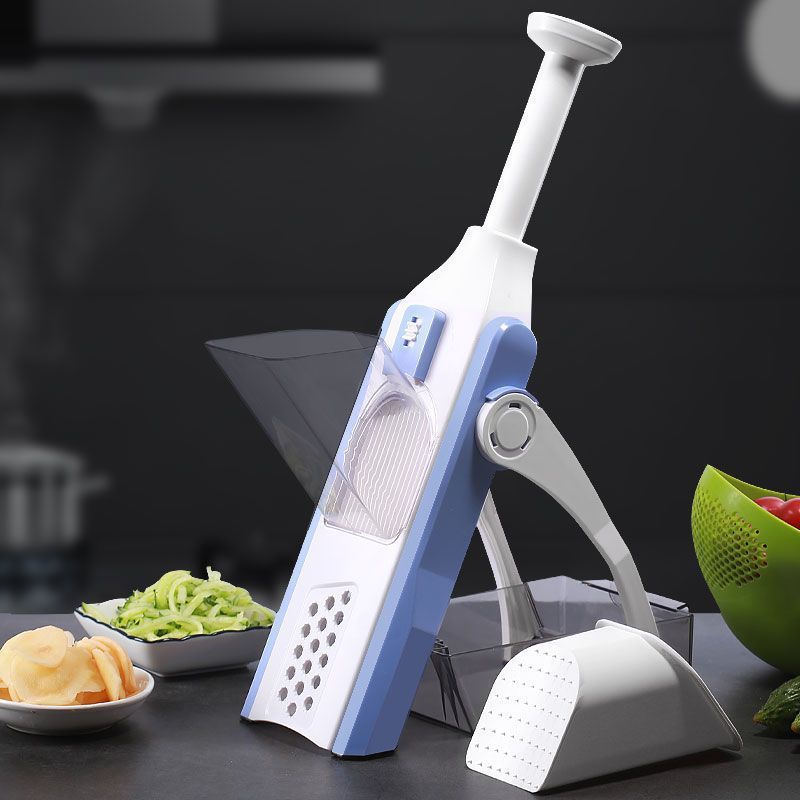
41 497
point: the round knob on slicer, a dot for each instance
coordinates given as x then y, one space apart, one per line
506 426
572 39
512 429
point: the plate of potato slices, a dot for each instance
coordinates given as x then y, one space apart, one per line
51 684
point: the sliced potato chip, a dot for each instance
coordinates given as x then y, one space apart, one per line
57 686
90 698
97 685
33 669
45 646
94 682
107 668
5 665
123 662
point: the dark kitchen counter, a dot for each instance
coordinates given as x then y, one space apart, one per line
187 741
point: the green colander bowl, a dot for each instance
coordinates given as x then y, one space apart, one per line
751 562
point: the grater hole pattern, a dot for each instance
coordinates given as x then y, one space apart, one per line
525 717
729 548
304 675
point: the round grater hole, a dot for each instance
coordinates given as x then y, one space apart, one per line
290 673
313 608
283 693
315 681
308 702
322 624
299 687
323 659
290 709
314 645
298 651
346 597
305 630
307 667
338 617
331 639
329 602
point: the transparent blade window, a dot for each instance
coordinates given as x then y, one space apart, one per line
354 430
384 466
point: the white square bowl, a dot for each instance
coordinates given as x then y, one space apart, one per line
202 652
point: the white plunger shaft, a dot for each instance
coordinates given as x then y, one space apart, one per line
534 145
569 47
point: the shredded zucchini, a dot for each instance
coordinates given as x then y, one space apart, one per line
178 605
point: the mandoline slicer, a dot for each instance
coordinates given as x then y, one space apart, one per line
438 407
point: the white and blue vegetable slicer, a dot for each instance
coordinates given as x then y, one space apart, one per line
441 408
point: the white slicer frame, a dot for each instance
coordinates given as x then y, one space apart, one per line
462 338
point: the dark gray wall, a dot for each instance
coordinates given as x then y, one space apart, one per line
665 294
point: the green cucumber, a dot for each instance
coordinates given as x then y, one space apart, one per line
781 712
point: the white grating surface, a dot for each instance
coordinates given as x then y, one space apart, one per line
384 466
525 717
317 640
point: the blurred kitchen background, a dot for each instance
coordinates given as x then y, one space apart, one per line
173 171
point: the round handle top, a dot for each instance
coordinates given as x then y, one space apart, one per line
572 39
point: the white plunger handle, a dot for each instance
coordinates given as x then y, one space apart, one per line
514 432
569 47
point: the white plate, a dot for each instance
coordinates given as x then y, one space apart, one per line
71 720
202 652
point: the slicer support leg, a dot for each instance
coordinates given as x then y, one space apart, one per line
514 432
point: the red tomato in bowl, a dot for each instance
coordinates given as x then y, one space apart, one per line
771 504
788 511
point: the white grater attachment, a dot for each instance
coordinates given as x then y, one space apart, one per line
524 722
602 701
382 469
317 639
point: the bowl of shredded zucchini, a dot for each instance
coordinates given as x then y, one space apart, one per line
183 624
